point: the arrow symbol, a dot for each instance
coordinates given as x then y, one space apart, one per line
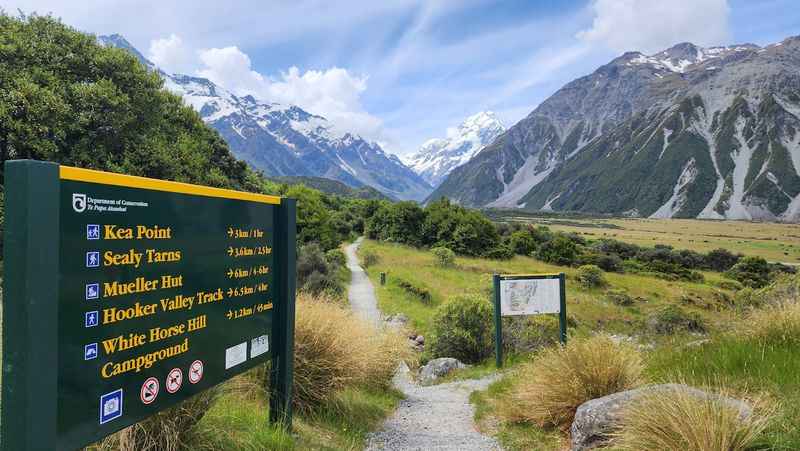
230 232
230 292
229 314
230 251
230 273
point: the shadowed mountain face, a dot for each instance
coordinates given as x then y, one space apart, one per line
285 140
687 132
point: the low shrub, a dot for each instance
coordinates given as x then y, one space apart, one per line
721 260
671 319
590 276
606 262
463 328
522 242
753 272
336 257
315 274
168 430
675 420
548 391
445 258
619 297
335 349
561 250
731 285
369 258
502 251
419 292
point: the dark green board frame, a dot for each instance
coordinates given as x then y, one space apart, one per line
200 289
498 323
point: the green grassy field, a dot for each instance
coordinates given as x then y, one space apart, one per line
587 306
773 241
771 372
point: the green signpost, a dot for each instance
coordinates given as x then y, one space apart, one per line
125 295
528 294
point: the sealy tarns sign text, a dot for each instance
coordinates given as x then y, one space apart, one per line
159 291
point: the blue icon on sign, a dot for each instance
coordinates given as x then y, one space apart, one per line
92 259
90 351
110 406
92 318
92 291
92 231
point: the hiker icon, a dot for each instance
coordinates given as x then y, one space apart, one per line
92 259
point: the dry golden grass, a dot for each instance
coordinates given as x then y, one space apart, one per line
774 324
678 421
548 391
334 350
169 430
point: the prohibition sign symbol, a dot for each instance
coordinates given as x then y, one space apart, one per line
196 371
174 380
149 391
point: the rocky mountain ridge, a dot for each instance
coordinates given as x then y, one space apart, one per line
687 132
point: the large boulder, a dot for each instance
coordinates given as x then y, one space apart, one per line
596 419
437 368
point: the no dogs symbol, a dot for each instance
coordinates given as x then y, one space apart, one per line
149 391
196 371
174 380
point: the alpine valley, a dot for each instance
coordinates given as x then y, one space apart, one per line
285 140
686 132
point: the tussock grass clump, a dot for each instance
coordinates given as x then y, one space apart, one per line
775 324
169 430
335 349
676 420
549 390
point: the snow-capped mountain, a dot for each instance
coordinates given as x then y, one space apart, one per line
285 140
438 156
686 132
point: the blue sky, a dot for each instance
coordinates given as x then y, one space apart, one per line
403 71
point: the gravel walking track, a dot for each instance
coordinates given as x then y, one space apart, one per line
438 417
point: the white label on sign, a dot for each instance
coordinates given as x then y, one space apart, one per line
258 346
529 296
235 355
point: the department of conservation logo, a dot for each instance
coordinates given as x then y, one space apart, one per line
78 202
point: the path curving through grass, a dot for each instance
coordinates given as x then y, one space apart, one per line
439 417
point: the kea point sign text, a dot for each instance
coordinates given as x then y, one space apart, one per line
125 295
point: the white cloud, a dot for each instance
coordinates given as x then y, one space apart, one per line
652 25
333 93
171 54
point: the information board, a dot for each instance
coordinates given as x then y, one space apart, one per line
160 290
528 294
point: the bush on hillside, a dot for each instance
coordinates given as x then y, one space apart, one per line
753 272
445 258
619 297
462 230
590 276
463 328
315 274
335 349
336 258
561 250
671 319
721 260
676 420
606 262
500 252
522 242
548 391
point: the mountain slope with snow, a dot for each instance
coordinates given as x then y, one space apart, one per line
687 132
438 157
285 140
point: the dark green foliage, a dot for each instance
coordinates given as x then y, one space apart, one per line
590 276
464 231
621 249
315 273
399 223
671 319
561 250
444 256
502 251
416 290
606 262
753 272
522 242
336 257
721 260
463 328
